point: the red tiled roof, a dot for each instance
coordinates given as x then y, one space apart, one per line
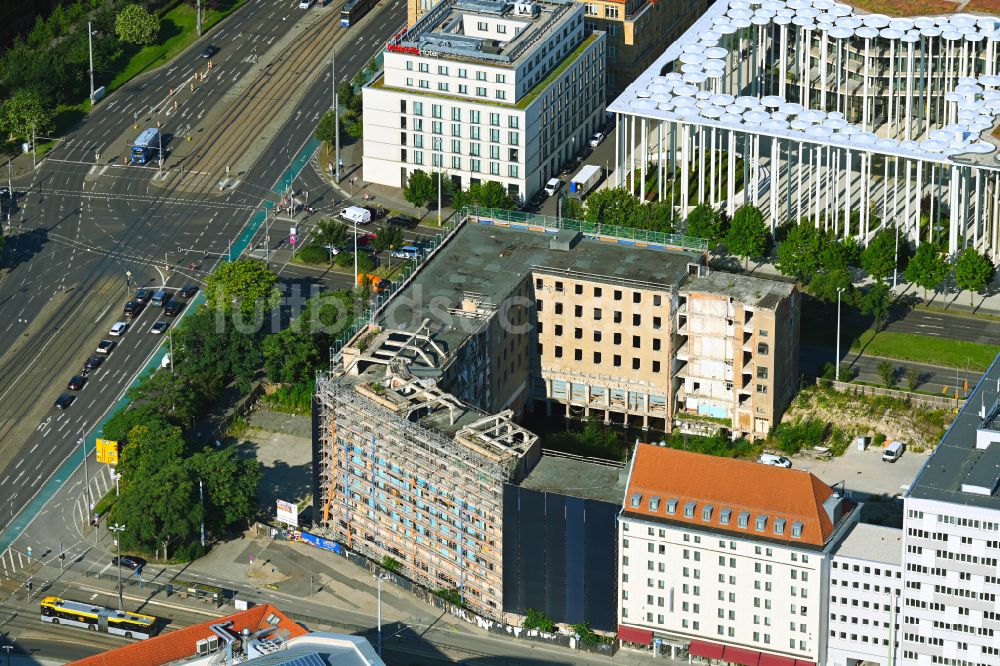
180 644
740 486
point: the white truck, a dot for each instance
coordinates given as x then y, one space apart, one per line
356 214
585 180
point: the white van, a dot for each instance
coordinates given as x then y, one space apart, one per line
306 4
775 461
552 186
356 214
893 452
406 252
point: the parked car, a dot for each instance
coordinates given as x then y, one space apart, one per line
160 297
65 400
404 221
552 186
93 362
118 328
158 327
173 308
893 452
76 383
406 252
776 461
595 140
143 295
188 290
105 346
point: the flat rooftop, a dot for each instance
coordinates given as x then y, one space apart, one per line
488 261
498 32
577 478
873 543
958 472
763 293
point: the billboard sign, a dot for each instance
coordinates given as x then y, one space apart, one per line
288 513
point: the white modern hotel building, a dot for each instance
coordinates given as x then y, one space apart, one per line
844 119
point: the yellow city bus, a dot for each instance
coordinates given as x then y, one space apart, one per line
97 618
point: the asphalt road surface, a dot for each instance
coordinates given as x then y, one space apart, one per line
78 232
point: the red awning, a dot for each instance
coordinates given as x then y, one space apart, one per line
803 662
741 656
634 635
767 659
704 649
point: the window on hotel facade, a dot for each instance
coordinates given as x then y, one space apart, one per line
610 11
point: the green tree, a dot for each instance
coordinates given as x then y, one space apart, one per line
326 129
420 189
147 451
161 512
291 355
24 113
230 485
331 233
928 267
572 208
973 271
174 395
879 258
800 252
121 423
536 619
875 302
389 239
135 25
748 234
390 563
839 254
912 376
886 373
492 194
615 206
247 283
825 285
704 222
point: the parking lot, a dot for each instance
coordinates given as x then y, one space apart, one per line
864 471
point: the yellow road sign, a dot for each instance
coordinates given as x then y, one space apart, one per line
107 451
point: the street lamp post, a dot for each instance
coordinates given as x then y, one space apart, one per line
7 649
836 371
86 474
336 116
118 528
378 640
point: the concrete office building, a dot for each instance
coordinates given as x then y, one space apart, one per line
418 430
485 90
832 116
866 587
951 613
728 558
636 30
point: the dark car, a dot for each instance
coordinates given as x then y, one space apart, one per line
133 562
93 362
187 291
143 295
65 400
404 221
76 383
209 51
133 308
173 308
158 327
105 346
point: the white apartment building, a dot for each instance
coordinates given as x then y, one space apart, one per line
951 614
866 584
485 90
728 557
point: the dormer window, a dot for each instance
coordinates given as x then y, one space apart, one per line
636 500
689 509
724 516
779 526
744 519
797 530
706 513
672 506
761 523
654 503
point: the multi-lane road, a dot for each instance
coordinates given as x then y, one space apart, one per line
81 227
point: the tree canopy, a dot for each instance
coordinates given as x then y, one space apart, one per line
801 251
24 113
704 222
928 267
875 302
420 189
879 257
135 25
490 194
245 283
748 234
973 271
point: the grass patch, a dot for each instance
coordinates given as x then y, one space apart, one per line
105 503
916 7
292 398
926 349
